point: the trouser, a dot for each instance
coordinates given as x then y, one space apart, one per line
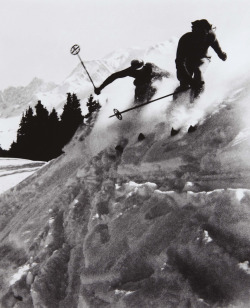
196 69
144 92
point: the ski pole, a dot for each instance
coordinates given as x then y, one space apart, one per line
118 114
75 51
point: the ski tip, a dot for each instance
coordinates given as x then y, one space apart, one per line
174 131
141 137
192 128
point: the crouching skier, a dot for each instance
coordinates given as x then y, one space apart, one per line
144 75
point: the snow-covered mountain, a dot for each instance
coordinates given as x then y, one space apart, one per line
15 100
130 216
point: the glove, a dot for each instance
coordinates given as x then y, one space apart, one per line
223 56
97 91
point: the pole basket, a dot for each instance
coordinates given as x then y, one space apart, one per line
117 114
75 50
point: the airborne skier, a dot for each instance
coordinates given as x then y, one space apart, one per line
144 75
192 58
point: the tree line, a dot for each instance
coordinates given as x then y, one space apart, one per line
42 134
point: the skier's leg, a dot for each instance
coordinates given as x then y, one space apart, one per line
198 76
200 69
181 75
182 87
150 92
137 96
144 92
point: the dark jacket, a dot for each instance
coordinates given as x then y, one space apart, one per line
147 74
191 49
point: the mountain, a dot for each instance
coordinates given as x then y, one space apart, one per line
15 100
130 216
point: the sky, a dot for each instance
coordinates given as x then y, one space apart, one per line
36 35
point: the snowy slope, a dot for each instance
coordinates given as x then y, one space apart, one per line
121 222
13 171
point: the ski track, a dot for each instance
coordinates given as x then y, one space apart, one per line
243 136
15 170
7 173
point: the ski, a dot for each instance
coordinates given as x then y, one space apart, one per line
191 129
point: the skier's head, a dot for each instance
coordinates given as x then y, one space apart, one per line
136 64
201 26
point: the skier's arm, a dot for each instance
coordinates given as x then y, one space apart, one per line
111 78
216 47
182 72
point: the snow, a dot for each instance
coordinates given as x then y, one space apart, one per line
21 170
25 232
240 194
133 185
13 180
207 239
117 186
163 267
157 191
245 267
123 292
96 216
14 162
8 130
215 190
18 275
165 167
51 220
142 189
15 170
243 136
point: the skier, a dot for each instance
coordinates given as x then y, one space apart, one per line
144 74
192 59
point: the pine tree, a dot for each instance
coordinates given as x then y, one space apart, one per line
3 153
26 123
78 117
92 105
33 135
54 143
42 135
41 112
13 150
40 138
71 117
53 120
23 146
